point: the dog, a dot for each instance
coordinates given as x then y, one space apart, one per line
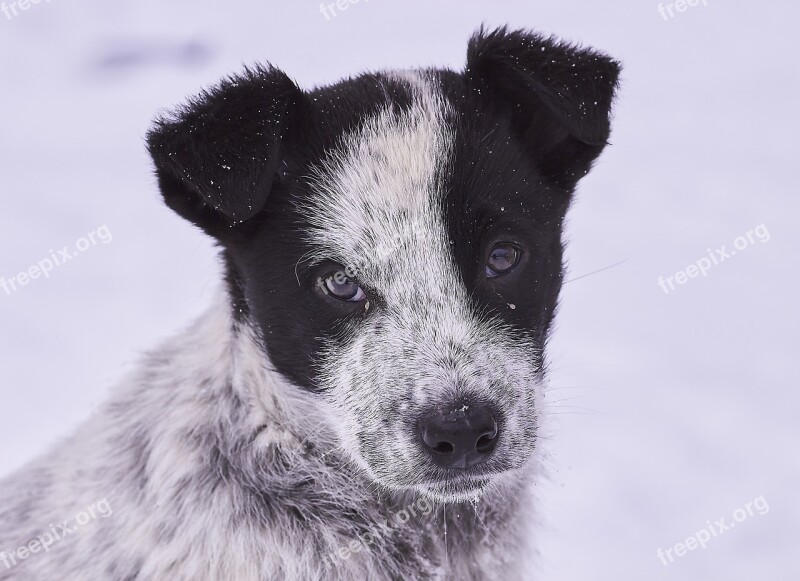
364 401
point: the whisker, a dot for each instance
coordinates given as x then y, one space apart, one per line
549 389
297 264
573 365
549 463
483 524
444 512
574 397
595 271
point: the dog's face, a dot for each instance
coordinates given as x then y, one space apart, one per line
396 241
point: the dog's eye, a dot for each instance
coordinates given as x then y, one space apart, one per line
503 258
344 288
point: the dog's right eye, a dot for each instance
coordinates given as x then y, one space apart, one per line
343 288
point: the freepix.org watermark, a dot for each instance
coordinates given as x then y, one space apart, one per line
419 508
55 533
331 10
701 538
702 266
45 266
12 9
412 234
670 10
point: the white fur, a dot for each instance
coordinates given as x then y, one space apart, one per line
378 206
218 468
168 522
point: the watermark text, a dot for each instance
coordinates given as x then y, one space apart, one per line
45 266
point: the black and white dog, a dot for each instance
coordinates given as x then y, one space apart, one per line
365 401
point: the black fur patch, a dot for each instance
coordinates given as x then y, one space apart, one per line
530 116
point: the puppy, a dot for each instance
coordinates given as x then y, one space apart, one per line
363 400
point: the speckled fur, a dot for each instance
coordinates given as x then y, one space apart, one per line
429 344
217 469
275 438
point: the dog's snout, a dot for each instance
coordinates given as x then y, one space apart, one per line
460 436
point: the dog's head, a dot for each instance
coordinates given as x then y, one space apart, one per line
396 241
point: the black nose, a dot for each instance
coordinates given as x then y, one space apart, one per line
460 436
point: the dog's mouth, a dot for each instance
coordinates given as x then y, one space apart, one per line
457 489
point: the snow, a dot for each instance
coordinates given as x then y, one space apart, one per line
687 406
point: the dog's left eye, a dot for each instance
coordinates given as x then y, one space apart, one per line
343 288
503 258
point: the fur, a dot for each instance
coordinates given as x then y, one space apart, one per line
277 438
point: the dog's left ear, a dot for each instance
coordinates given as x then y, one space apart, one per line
559 96
216 157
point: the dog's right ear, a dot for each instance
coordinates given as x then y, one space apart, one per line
216 157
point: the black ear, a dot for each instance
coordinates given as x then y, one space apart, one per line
559 96
216 157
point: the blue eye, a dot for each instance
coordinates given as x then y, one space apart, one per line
343 288
503 259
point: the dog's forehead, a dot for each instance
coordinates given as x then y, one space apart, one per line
376 200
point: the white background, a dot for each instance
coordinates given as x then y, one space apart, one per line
688 401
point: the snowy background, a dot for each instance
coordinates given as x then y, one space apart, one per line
672 409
